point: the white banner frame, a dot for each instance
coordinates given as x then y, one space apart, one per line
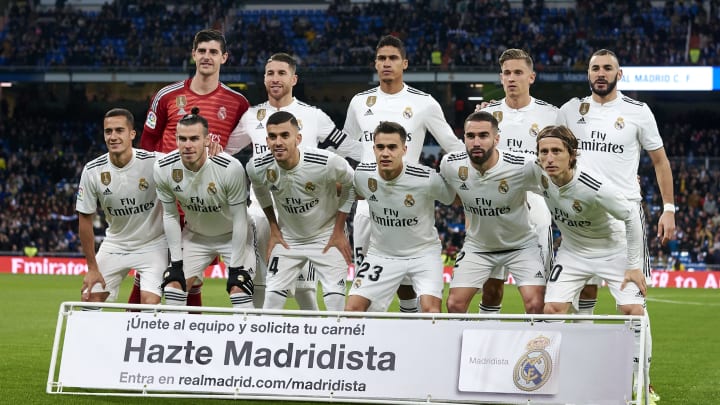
458 322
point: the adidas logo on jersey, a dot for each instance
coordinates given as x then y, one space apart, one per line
341 283
107 192
581 120
368 112
539 275
464 187
260 126
177 188
301 278
273 188
372 198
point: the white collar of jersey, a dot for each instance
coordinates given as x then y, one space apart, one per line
404 87
528 107
608 103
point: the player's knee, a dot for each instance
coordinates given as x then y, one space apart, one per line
632 309
589 292
406 292
456 304
553 308
149 299
492 292
357 304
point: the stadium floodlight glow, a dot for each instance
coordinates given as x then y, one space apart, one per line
5 84
668 78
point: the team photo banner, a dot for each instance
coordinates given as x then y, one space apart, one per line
343 357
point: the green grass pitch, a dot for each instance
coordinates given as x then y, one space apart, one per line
685 325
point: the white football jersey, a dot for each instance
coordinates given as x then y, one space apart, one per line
416 111
590 211
204 196
305 197
317 129
402 210
611 137
127 196
495 202
519 128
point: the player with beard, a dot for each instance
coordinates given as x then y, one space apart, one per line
493 186
318 130
520 118
612 130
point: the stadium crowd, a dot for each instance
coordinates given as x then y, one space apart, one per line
151 33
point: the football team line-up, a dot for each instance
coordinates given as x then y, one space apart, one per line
520 165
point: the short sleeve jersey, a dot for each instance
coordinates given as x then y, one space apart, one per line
494 200
402 210
305 196
316 127
416 111
204 196
223 108
611 137
519 128
589 211
128 198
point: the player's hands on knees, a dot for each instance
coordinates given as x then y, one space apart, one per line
341 243
635 276
241 278
174 272
91 278
275 238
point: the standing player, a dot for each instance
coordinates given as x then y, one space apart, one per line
520 118
590 213
122 182
403 239
415 111
212 191
318 130
612 130
303 183
493 186
221 106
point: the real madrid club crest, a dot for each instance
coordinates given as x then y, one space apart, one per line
544 182
535 366
584 108
105 178
534 129
261 114
299 124
577 207
177 175
619 123
181 102
372 185
409 200
143 184
370 101
357 282
407 113
498 116
309 187
463 173
271 175
503 187
211 188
